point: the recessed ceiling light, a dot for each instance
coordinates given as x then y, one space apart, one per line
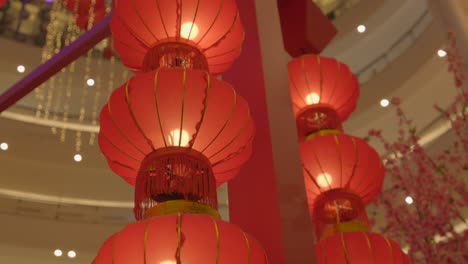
21 68
78 157
384 102
4 146
441 53
90 82
58 253
409 200
71 254
361 28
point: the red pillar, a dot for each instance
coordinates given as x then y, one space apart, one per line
268 198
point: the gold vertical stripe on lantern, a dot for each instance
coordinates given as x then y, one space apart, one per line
217 239
130 109
247 243
205 106
391 249
145 240
369 246
179 238
121 131
225 123
156 75
184 88
345 249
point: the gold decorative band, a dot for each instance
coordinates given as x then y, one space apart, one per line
323 132
344 227
181 206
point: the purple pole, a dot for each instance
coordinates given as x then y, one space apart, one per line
46 70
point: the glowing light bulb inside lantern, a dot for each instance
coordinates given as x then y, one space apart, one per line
168 262
324 180
175 138
189 30
312 98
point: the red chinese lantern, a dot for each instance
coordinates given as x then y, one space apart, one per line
82 7
359 248
179 131
342 173
181 238
202 34
324 93
108 53
2 3
83 20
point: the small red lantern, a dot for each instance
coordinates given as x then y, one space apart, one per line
342 173
359 248
82 7
108 53
179 131
324 93
82 21
202 34
181 238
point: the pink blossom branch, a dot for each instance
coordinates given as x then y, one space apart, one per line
435 182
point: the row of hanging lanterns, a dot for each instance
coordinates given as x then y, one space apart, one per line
176 132
342 173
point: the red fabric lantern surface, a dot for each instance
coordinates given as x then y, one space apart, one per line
342 173
82 21
176 108
2 3
83 6
359 248
208 34
324 93
186 238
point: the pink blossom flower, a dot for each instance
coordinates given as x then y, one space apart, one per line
435 181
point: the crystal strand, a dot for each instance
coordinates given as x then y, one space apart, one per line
97 95
86 78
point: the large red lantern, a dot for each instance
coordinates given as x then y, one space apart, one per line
202 34
359 248
342 173
324 93
181 132
181 238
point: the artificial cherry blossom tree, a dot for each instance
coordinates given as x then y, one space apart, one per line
437 183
